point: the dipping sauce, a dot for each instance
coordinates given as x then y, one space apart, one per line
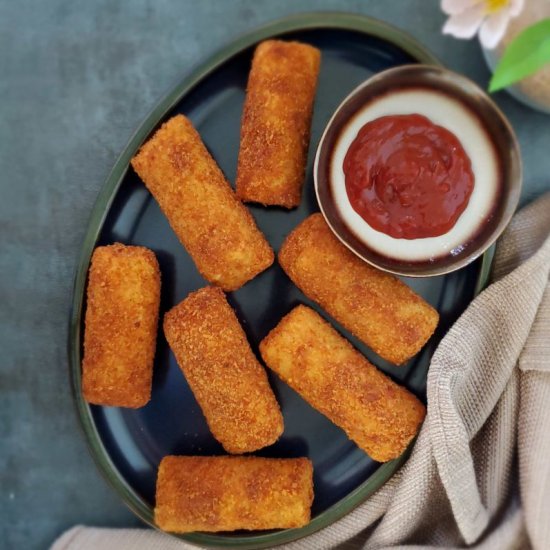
414 175
408 177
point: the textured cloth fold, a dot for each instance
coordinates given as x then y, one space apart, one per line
479 474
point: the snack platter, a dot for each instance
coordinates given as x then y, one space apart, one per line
128 444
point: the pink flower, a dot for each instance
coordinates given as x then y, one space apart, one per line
489 17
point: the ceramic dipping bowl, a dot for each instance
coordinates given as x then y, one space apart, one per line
461 101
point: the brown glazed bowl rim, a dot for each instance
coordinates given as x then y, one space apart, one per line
498 128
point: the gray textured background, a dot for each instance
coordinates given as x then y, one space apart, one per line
76 78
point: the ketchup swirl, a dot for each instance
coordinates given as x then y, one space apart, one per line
407 177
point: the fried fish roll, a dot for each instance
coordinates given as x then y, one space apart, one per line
227 380
276 123
374 306
334 378
226 493
214 226
120 326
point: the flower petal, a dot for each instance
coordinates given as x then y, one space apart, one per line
452 7
516 6
465 24
493 29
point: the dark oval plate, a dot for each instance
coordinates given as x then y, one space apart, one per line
129 444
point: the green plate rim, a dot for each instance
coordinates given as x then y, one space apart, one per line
319 20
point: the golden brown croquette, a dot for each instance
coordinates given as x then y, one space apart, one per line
374 306
227 380
120 326
217 230
333 377
276 123
225 493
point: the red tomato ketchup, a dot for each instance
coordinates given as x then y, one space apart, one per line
407 177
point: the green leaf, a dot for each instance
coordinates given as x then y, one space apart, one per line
525 55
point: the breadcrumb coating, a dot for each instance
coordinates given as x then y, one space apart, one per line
374 306
226 493
333 377
217 230
120 326
229 383
276 123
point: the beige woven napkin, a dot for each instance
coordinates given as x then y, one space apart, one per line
479 473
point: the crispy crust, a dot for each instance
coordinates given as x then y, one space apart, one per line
311 357
376 307
217 230
225 493
121 326
227 380
276 123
